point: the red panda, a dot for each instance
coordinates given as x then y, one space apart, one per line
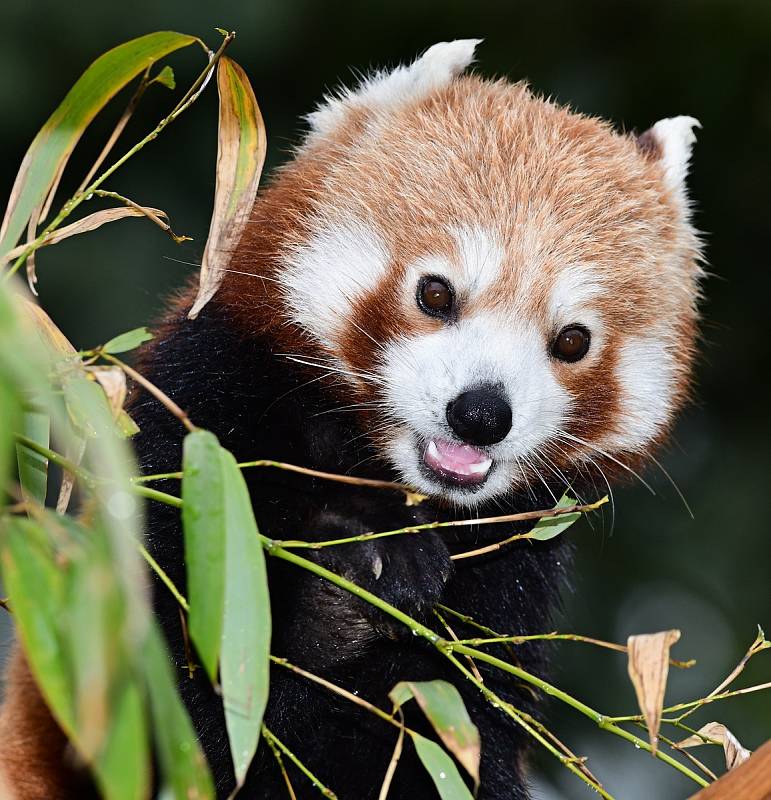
462 286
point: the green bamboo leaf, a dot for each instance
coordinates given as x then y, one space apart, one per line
10 412
122 768
166 78
185 775
549 527
127 341
88 409
442 769
442 704
203 520
126 425
36 591
33 468
93 621
51 148
244 662
241 147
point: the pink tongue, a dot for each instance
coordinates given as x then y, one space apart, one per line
460 455
458 459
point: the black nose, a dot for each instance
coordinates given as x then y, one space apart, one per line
480 416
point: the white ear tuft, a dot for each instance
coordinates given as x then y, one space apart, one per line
434 69
674 140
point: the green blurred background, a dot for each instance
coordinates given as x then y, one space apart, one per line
632 62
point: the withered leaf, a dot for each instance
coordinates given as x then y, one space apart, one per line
83 225
443 705
735 754
50 150
648 667
113 382
241 149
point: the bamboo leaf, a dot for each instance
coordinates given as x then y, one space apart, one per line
126 425
55 141
127 341
49 332
648 667
122 767
36 590
203 519
113 383
10 412
442 704
33 468
93 618
182 764
240 157
166 78
82 397
549 527
83 225
244 662
735 754
442 769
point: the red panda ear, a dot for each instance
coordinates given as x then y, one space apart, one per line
437 67
670 142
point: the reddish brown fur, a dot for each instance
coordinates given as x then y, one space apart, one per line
35 757
558 189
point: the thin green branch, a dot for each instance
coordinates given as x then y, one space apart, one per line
468 620
57 458
272 738
280 761
454 523
691 703
413 498
448 648
604 722
167 582
683 752
154 494
157 393
148 212
568 637
339 690
525 721
88 478
79 197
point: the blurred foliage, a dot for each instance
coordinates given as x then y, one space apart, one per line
633 63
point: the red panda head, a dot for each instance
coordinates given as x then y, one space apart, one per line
506 286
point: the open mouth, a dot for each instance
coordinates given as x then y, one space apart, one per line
457 463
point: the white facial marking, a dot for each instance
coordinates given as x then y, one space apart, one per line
675 136
423 374
387 89
478 264
645 371
574 289
481 257
323 278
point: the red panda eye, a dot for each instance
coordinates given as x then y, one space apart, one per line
435 297
571 344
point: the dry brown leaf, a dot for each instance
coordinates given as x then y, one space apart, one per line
61 344
735 754
89 223
241 146
49 330
113 382
648 669
68 479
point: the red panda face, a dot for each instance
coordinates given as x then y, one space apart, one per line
506 286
